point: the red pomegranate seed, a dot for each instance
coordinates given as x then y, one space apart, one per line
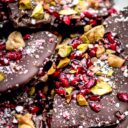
8 1
26 37
113 46
2 46
72 56
75 81
14 55
91 83
90 73
58 84
88 14
34 109
65 82
56 14
66 20
92 52
94 98
75 44
85 79
57 73
93 22
110 38
85 92
95 106
89 63
41 94
122 96
60 91
112 11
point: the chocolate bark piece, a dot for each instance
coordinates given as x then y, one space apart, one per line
38 48
53 13
71 115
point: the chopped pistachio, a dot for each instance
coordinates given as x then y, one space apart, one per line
100 51
38 12
25 120
68 98
109 51
101 88
81 100
69 90
115 61
67 12
63 62
99 73
87 28
2 76
82 47
15 41
32 91
95 33
52 69
110 73
72 71
44 78
65 50
85 39
25 4
45 89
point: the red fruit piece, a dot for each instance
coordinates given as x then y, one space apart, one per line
91 83
89 63
66 20
95 106
75 44
122 96
57 73
41 95
110 38
26 37
93 22
113 46
85 92
56 14
92 52
94 98
2 46
60 91
34 109
8 1
88 14
65 82
58 84
75 81
14 55
112 11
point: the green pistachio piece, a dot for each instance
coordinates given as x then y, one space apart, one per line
85 39
67 12
72 71
81 100
87 28
65 50
101 88
69 90
52 69
63 62
95 33
32 91
68 98
2 76
82 47
110 73
25 4
38 12
109 51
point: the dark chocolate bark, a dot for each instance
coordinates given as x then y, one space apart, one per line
38 48
71 115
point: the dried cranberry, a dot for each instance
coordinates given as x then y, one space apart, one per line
34 109
2 46
14 55
66 20
94 98
122 96
26 37
95 106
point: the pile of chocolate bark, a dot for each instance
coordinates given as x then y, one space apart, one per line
63 64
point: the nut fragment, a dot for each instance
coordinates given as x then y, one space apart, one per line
101 88
25 121
100 51
63 62
67 12
25 4
15 41
2 76
69 90
115 61
52 69
38 11
81 100
95 33
82 47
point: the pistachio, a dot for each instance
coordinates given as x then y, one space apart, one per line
115 61
110 73
67 12
72 71
52 69
38 11
25 120
101 88
65 50
87 28
109 51
85 39
45 89
69 90
63 62
82 47
15 41
2 76
95 33
81 100
100 51
25 4
68 98
32 91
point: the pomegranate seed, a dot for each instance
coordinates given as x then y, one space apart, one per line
110 38
34 109
66 20
60 91
56 14
95 106
123 96
65 82
92 52
94 98
85 79
85 92
26 37
2 46
112 11
93 22
58 84
89 63
89 73
72 56
41 94
75 44
113 46
4 61
14 55
88 14
91 83
8 1
75 81
120 116
57 73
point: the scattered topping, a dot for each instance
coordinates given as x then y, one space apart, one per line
81 100
101 88
63 62
2 76
82 47
38 11
25 4
95 106
15 41
69 90
123 96
52 69
67 12
115 61
100 51
25 121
